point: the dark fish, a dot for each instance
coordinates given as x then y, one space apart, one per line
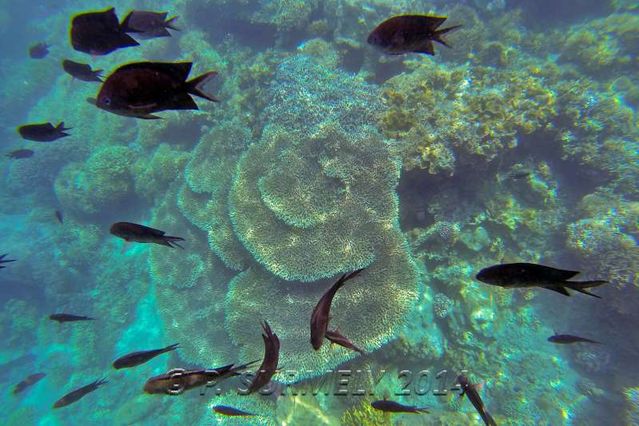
39 50
99 33
81 71
567 339
78 394
59 216
519 174
336 337
395 407
146 24
515 275
137 358
29 381
3 260
143 234
409 33
320 315
230 411
44 132
470 391
178 380
270 361
69 318
142 88
20 153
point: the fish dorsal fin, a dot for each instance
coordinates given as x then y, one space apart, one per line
558 274
432 22
561 290
179 70
152 231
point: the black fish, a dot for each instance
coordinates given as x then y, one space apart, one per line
69 318
409 33
470 391
230 411
270 361
142 88
29 381
78 394
178 380
515 275
146 24
59 216
320 315
3 260
44 132
567 339
143 234
138 358
39 50
99 33
81 71
20 153
395 407
336 337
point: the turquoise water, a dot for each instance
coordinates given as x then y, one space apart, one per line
519 143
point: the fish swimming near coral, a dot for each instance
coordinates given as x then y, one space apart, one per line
99 33
69 318
521 275
271 358
142 88
28 382
178 380
3 260
321 312
470 390
568 339
143 234
409 33
20 154
230 411
147 24
39 50
140 357
78 394
338 338
43 132
395 407
81 71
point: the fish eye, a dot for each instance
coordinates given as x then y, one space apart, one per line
106 101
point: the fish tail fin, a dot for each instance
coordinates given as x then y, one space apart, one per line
196 86
488 419
237 369
424 410
439 33
98 75
101 381
169 241
169 23
171 347
581 286
345 277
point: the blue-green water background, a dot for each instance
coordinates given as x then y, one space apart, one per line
429 148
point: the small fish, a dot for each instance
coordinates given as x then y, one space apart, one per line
320 315
395 407
178 380
470 391
143 234
336 337
99 33
39 50
568 339
59 216
409 33
20 153
270 361
517 275
146 24
29 381
43 132
230 411
142 88
519 174
69 318
3 260
78 394
137 358
81 71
